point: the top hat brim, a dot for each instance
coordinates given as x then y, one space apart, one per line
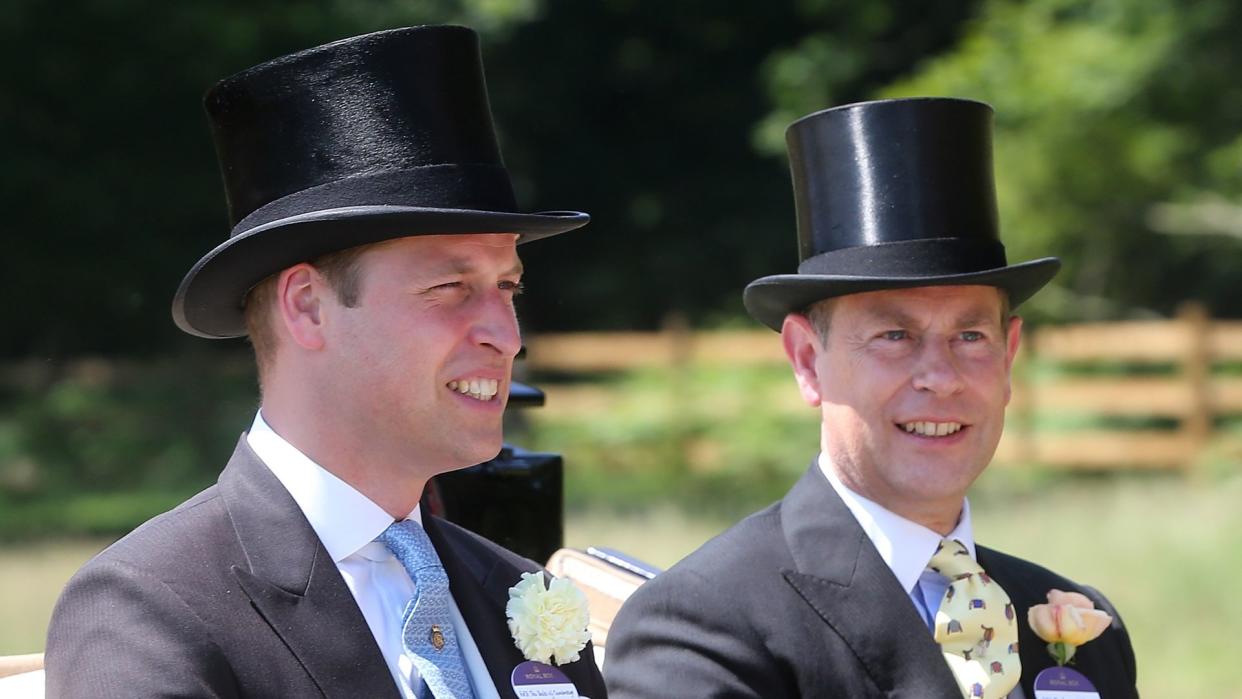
769 299
209 302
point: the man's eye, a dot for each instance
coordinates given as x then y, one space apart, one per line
515 287
972 336
448 285
895 335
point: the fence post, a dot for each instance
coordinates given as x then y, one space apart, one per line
1197 426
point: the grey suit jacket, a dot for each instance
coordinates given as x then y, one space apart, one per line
232 594
795 601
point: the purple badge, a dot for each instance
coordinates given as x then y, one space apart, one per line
1063 683
532 680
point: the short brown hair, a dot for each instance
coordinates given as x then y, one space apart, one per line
820 315
343 274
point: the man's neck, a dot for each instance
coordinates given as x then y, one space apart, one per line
366 468
941 520
940 515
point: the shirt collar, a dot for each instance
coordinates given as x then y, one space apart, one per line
344 519
905 546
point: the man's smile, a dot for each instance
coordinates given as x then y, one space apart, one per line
927 428
475 387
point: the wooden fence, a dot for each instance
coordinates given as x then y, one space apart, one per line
1161 371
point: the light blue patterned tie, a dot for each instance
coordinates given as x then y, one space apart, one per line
428 629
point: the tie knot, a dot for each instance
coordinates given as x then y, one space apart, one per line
953 561
410 544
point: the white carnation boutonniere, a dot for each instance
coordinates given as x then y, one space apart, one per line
548 624
1069 620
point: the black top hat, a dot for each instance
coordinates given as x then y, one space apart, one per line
893 194
365 139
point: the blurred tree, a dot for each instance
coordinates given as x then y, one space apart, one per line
852 47
110 188
640 112
643 113
1105 112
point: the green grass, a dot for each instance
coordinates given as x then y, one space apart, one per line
1167 551
33 577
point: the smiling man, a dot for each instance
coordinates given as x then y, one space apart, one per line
865 581
373 263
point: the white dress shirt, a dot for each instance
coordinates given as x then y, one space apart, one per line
907 547
347 522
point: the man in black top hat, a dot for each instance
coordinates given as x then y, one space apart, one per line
898 329
373 263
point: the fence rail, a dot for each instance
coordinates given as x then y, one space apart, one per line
1185 353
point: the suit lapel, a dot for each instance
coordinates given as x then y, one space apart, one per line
843 578
480 586
1032 650
480 579
296 587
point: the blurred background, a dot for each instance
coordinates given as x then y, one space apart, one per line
1118 147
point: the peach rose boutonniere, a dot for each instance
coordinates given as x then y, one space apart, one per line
1068 620
548 622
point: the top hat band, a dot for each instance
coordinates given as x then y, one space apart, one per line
927 257
470 186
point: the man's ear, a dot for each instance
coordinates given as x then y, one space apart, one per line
802 347
299 292
1013 337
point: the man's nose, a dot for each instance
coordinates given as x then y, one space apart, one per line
936 369
497 326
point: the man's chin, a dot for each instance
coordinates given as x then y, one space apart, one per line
482 451
947 484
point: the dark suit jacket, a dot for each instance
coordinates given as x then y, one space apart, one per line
795 601
233 595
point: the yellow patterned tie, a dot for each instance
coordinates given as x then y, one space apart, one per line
975 626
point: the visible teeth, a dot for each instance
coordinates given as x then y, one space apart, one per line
932 429
477 388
